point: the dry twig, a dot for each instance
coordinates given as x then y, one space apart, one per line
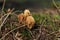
11 31
3 5
56 6
2 17
5 19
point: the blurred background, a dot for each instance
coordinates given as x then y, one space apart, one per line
32 4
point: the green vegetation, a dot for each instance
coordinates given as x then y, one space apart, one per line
47 19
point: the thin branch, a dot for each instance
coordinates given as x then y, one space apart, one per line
11 31
2 17
5 19
56 6
55 32
17 11
30 33
40 32
3 5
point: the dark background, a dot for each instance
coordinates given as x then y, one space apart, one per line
22 4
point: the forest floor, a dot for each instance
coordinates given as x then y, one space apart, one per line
47 26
